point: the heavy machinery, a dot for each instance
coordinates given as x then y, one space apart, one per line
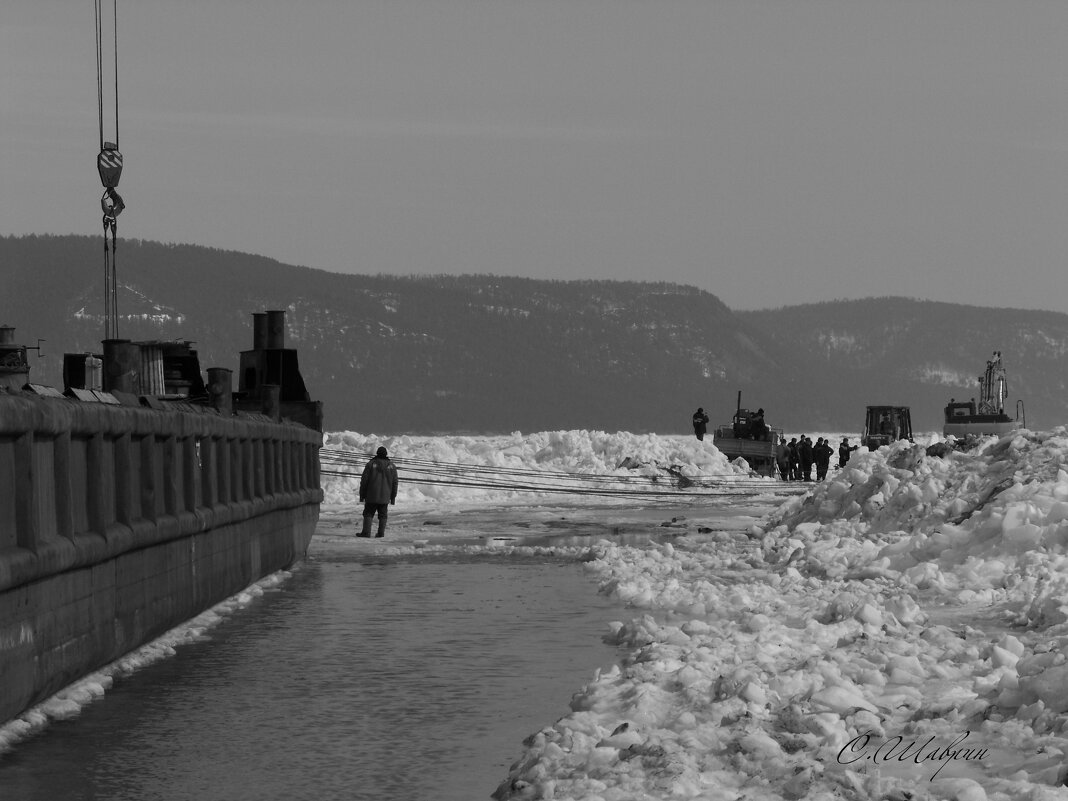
749 437
886 424
971 419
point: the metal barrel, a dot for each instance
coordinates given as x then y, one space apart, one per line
272 401
122 366
220 389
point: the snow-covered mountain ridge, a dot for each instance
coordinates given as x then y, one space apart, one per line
493 354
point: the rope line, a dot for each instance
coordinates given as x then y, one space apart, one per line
349 464
424 465
99 70
115 28
98 19
354 457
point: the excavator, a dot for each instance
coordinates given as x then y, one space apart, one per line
987 417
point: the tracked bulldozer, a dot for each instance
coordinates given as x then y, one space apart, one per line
886 424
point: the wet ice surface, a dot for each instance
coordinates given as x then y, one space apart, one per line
570 524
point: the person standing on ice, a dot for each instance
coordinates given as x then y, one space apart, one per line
821 453
700 423
782 458
378 491
844 450
804 450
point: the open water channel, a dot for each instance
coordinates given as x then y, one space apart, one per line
372 678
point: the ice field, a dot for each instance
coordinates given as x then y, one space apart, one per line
899 631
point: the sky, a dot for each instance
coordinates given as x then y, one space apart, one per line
771 153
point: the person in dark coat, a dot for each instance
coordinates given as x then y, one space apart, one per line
795 460
804 450
844 451
822 453
378 491
758 429
700 423
782 458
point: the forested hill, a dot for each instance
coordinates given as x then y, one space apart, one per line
922 353
436 354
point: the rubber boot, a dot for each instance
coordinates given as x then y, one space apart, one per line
366 527
381 526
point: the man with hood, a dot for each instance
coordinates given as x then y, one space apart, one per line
821 454
782 458
804 450
700 423
378 490
845 450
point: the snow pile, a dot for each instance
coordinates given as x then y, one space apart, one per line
560 456
900 632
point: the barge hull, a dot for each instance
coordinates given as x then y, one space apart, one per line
119 523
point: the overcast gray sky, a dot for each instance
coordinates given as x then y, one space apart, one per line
769 152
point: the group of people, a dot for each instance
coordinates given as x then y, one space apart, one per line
796 458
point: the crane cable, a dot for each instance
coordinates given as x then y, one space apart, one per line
109 166
348 464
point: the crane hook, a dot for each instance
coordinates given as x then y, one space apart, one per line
111 203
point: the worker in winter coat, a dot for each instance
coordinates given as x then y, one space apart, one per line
758 429
844 451
782 458
804 450
378 491
700 423
822 453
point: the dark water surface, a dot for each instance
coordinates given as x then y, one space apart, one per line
377 679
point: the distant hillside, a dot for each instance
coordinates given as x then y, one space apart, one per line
436 354
922 353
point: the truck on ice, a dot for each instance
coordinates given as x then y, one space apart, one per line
747 436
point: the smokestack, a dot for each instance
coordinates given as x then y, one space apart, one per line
259 330
276 329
